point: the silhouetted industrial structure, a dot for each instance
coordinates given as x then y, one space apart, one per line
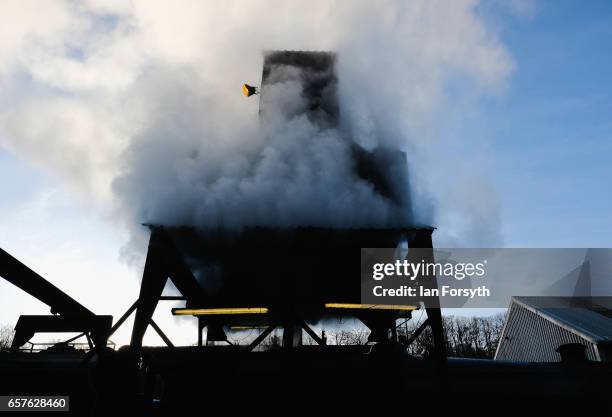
287 278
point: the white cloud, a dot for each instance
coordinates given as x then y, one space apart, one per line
146 97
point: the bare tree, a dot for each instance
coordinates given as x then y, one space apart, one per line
6 337
354 336
271 342
475 337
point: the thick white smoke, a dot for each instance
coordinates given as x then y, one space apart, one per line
210 166
137 107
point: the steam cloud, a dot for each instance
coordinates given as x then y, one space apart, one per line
136 106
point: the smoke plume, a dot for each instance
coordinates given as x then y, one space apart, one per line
136 107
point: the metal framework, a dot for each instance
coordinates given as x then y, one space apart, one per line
165 261
67 314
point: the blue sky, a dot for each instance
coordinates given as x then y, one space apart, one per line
548 136
552 130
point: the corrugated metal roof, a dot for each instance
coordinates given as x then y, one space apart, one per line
584 317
